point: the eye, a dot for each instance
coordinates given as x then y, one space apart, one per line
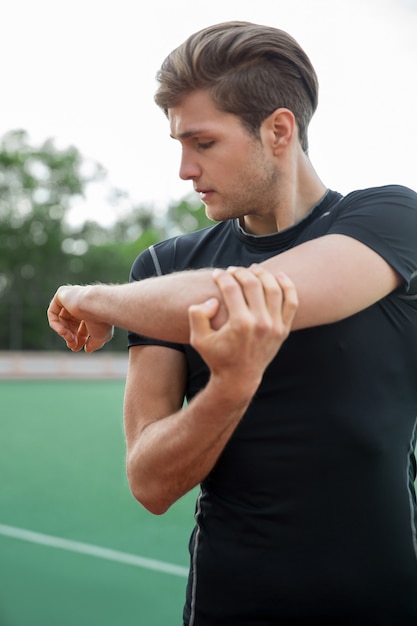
205 145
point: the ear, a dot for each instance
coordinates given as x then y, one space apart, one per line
279 130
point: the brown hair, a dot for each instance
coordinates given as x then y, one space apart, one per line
249 70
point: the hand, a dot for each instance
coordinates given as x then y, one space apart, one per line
260 309
65 319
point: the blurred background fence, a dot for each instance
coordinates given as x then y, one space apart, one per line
75 365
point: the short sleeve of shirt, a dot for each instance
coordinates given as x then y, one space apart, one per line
147 265
385 219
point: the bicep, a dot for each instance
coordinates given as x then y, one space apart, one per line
335 277
155 387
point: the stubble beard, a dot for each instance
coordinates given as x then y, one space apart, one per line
254 194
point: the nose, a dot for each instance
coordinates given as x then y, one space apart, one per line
189 166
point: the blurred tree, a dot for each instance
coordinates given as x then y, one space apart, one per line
186 216
39 249
36 187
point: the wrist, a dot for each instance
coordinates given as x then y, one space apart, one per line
86 301
91 299
234 391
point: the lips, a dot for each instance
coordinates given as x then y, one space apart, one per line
205 197
205 194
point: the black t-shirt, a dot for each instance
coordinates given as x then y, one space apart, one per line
309 516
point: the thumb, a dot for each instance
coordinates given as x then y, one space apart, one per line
92 344
199 316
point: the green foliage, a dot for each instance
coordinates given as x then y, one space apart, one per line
187 216
36 187
39 250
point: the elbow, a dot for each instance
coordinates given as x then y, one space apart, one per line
156 506
148 494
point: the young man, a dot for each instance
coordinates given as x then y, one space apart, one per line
303 442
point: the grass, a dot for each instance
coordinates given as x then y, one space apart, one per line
63 473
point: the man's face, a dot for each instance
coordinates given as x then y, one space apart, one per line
230 169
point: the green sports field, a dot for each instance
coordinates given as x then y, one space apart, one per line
75 548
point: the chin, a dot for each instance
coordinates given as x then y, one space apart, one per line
220 214
216 217
212 214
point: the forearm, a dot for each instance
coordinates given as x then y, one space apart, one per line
174 454
329 289
156 307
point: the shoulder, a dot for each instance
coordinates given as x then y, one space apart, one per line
180 252
393 195
193 250
378 207
385 220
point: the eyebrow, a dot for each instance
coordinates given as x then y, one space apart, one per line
189 133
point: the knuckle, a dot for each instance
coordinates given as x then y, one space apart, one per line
195 341
293 304
246 277
245 325
229 286
264 326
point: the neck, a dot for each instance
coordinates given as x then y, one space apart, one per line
298 192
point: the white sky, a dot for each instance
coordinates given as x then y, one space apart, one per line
83 72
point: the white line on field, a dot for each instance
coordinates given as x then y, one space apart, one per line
97 551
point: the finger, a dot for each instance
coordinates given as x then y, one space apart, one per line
231 291
203 313
82 333
54 309
74 344
200 316
63 331
253 287
91 345
55 317
98 336
272 290
68 328
290 299
62 322
85 340
280 294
